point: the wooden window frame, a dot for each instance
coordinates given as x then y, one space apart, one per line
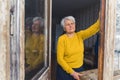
16 63
106 47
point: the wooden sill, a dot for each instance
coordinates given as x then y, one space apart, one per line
89 75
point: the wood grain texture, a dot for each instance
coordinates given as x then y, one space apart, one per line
110 23
101 45
89 75
22 41
4 40
17 40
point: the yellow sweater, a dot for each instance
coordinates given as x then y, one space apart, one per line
70 50
34 51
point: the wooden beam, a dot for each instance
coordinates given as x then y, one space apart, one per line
17 40
4 40
89 74
110 23
101 45
22 41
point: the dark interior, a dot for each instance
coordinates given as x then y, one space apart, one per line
67 7
86 13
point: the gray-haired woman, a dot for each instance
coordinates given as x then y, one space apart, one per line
34 48
70 48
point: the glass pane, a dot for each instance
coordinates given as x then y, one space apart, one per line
117 40
34 37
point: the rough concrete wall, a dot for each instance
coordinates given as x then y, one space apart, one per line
4 40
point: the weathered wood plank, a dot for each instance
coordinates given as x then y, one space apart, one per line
14 48
17 40
89 75
22 42
4 40
101 46
109 39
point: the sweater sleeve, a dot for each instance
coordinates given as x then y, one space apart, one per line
90 31
60 56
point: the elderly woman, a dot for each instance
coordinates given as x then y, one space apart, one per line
35 46
70 49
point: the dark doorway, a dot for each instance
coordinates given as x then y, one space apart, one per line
86 13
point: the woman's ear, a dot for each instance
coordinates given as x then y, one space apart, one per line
64 28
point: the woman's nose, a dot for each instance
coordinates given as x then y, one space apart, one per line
70 25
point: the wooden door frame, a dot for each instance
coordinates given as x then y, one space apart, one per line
101 41
106 47
107 39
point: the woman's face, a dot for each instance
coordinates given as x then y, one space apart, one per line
36 26
69 26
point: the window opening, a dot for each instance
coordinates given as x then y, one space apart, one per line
85 16
35 38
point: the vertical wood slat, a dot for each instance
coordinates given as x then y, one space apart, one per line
101 45
4 40
14 59
17 41
49 13
110 23
22 42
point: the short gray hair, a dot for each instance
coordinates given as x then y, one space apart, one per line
40 19
67 18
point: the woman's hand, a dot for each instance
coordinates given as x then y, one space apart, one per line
76 75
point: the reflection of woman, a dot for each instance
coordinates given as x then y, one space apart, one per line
35 46
28 25
70 49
